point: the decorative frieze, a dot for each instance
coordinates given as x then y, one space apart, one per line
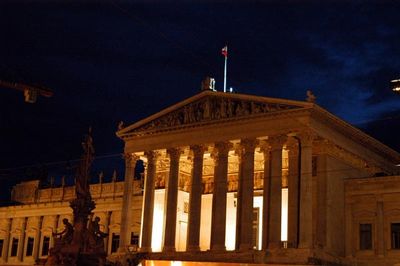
211 109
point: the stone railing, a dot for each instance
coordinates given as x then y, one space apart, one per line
29 193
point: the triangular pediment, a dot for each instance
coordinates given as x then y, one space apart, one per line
210 107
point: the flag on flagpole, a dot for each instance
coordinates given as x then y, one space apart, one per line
225 51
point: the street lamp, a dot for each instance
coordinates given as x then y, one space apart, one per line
395 84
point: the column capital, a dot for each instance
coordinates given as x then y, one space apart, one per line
130 158
293 146
152 155
198 149
174 153
222 147
248 144
276 142
306 137
265 148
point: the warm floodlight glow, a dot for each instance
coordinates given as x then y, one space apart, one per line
158 217
395 84
205 220
284 217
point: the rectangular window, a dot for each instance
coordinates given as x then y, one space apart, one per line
256 214
46 246
1 246
14 247
365 236
395 233
29 246
114 243
134 239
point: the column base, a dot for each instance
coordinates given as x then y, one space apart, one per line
305 245
193 248
145 249
274 245
245 247
121 250
169 249
218 248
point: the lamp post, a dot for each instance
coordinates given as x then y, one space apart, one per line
395 85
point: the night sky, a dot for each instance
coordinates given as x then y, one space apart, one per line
124 60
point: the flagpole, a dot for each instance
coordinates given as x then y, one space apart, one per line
226 60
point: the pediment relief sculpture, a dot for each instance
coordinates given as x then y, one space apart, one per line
211 109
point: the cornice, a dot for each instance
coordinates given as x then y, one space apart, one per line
327 147
355 134
222 122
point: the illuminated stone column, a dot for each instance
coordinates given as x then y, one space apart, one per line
293 190
306 221
21 242
171 200
266 149
244 225
218 218
193 237
274 238
148 201
126 213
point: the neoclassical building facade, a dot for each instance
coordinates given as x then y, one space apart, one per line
238 178
258 179
26 229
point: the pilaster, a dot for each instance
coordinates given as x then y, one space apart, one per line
21 242
37 239
4 255
306 206
380 229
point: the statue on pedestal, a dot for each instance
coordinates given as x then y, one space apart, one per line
80 245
